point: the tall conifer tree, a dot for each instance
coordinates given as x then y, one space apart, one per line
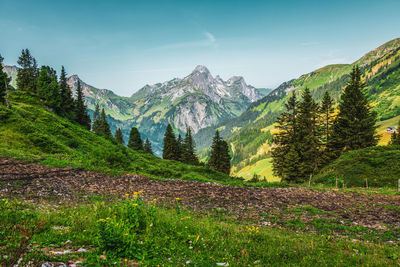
67 102
327 112
285 154
170 149
188 149
147 147
119 137
48 88
308 135
179 143
220 157
96 119
27 74
81 114
354 127
135 141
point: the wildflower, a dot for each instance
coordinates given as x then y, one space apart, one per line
125 260
126 234
127 195
177 198
197 239
134 204
107 218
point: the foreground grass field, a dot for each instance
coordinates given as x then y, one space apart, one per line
131 231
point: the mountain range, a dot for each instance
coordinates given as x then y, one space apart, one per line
250 134
198 100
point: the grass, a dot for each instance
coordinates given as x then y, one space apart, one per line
29 131
129 231
378 166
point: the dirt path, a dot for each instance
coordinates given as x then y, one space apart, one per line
34 181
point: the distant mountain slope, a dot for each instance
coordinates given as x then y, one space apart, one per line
199 100
251 133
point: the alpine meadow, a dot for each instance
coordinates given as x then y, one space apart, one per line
205 149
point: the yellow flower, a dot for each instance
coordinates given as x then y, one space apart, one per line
127 195
126 234
107 218
197 239
177 198
125 260
134 204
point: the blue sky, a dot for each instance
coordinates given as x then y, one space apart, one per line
123 45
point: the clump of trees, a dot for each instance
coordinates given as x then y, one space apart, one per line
310 136
55 93
180 149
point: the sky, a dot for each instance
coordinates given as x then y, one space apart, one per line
124 45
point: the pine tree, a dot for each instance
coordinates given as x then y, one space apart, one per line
100 125
220 157
170 149
327 111
67 102
188 154
216 152
285 154
81 115
119 137
96 119
308 136
4 80
147 147
135 141
354 127
225 161
48 89
27 74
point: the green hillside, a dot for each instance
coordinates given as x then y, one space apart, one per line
252 132
28 130
378 165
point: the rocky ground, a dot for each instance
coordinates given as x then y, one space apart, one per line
264 206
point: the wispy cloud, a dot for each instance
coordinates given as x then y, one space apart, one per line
209 40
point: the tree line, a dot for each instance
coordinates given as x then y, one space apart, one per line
311 135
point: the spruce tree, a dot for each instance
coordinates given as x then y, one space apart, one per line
28 72
96 119
67 102
216 152
101 126
170 149
48 88
354 127
135 141
188 154
225 161
147 147
119 137
285 154
4 80
327 111
308 136
81 115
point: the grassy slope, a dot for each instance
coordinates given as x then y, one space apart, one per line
381 66
30 131
379 165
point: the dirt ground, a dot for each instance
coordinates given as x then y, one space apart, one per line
35 182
